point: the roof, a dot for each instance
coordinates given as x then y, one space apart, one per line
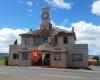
47 32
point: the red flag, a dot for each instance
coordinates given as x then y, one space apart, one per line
35 54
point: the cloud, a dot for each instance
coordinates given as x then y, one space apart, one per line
59 4
60 26
29 5
8 36
29 10
96 7
65 22
86 33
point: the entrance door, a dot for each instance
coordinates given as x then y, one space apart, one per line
47 60
44 60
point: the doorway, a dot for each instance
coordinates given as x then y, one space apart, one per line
43 61
47 60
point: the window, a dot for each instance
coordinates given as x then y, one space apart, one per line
65 40
24 56
45 39
26 42
15 56
55 39
37 41
77 57
57 56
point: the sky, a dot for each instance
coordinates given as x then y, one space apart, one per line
18 16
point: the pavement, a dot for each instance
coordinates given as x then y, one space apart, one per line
40 73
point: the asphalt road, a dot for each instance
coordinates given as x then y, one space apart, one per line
39 73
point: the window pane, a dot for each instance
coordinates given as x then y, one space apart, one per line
55 39
15 56
77 57
65 40
57 56
26 42
24 56
45 39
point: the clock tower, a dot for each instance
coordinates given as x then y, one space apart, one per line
45 19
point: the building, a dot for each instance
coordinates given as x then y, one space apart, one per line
57 46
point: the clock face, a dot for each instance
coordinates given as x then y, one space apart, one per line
45 15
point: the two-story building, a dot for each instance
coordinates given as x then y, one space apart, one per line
57 46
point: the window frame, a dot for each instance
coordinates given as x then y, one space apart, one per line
57 56
77 57
27 42
56 41
45 39
15 56
24 56
65 40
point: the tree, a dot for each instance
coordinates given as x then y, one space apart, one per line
15 43
96 58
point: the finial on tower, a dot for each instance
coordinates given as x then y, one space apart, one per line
46 9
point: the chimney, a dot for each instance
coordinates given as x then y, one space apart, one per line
30 30
72 29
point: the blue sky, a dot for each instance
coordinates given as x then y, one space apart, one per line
14 13
17 16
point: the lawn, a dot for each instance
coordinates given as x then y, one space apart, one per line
2 60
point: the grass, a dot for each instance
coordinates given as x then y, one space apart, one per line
2 60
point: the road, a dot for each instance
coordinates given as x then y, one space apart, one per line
39 73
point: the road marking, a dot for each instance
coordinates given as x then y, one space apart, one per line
28 79
61 76
90 71
3 72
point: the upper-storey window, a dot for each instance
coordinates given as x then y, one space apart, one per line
45 39
55 39
26 42
65 40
